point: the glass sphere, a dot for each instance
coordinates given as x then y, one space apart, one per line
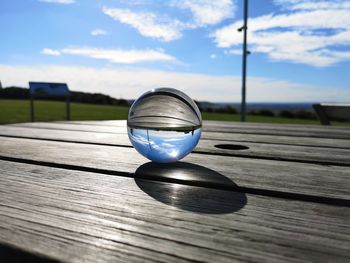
164 125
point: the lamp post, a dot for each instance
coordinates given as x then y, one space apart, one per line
244 62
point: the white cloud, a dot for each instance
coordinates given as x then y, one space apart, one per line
51 52
115 55
213 56
309 34
98 32
166 28
119 82
66 2
312 4
207 12
148 24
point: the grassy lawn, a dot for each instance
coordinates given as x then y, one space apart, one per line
13 111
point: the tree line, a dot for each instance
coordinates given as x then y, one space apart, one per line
298 114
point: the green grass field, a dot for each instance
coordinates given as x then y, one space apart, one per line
13 111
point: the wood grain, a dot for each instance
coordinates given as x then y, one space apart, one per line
323 155
281 176
78 216
78 192
212 126
227 124
277 139
119 127
273 139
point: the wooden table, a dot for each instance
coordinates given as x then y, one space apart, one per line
78 191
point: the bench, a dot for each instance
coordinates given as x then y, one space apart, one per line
328 112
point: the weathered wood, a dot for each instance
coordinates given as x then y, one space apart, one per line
325 132
279 152
280 126
338 133
78 216
219 125
242 149
116 134
321 114
327 112
108 203
72 127
227 124
277 139
97 123
209 126
280 176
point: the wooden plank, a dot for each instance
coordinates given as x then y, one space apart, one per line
277 152
280 126
114 123
279 176
230 125
324 155
120 134
327 112
321 114
67 135
215 129
221 127
71 127
226 124
78 216
278 139
121 129
306 131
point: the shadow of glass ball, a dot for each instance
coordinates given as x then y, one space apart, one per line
190 187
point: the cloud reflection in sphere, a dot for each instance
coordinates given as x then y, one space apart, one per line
164 125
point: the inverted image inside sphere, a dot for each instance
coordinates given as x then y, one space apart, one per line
163 146
164 125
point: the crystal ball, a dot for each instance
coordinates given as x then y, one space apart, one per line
164 125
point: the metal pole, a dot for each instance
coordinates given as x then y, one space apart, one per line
244 62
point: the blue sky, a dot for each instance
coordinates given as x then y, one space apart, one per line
300 48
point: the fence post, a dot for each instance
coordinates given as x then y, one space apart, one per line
32 107
68 108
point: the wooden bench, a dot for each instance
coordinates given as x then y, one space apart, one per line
328 112
78 191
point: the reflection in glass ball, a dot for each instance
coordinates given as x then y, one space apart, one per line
164 125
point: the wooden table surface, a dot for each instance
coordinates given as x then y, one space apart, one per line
78 191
